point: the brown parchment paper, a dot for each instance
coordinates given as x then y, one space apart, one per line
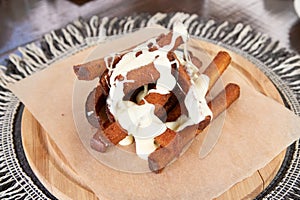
256 129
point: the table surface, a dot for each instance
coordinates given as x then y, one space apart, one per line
23 21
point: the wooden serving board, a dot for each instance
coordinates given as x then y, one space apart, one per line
53 170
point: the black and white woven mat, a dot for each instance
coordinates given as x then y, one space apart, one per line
282 66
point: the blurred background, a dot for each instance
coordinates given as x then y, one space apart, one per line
23 21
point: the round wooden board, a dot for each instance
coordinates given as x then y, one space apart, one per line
53 170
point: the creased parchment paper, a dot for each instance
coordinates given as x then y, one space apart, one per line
256 129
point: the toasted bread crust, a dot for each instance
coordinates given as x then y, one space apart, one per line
217 67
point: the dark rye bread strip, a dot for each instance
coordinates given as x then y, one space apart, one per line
99 142
95 68
115 133
166 39
159 159
165 103
110 136
104 82
139 77
184 80
90 70
175 112
171 149
160 101
180 73
104 77
181 89
142 76
165 138
213 71
95 100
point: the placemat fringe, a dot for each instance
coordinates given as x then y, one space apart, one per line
14 182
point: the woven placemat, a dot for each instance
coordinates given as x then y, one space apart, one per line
282 66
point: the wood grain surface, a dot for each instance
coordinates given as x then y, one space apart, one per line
53 170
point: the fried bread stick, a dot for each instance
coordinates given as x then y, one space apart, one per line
95 68
159 159
216 68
